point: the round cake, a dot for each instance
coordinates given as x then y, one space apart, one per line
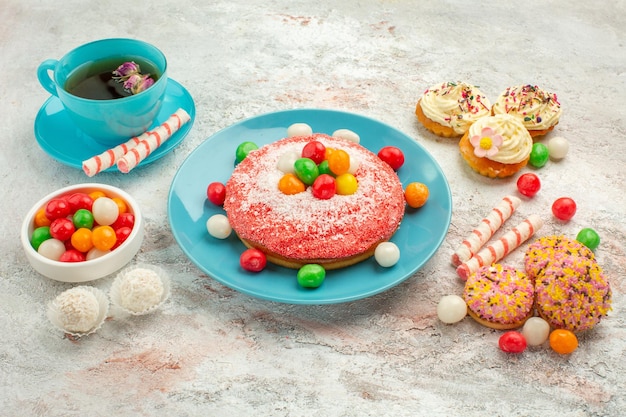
298 229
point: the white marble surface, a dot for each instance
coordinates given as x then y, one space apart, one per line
213 351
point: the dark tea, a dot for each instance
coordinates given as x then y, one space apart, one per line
94 80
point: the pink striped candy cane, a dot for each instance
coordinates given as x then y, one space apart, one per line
485 229
154 138
502 247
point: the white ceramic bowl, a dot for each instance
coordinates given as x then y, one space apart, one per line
94 268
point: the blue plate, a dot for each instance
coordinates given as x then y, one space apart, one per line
62 140
420 234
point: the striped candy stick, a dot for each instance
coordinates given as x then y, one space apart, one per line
108 158
485 229
502 247
152 140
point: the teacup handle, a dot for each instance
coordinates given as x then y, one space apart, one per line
43 74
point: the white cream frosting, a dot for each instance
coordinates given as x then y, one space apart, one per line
516 141
455 105
536 108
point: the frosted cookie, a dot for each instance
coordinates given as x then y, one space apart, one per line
499 296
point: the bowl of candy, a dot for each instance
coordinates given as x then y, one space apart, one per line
82 232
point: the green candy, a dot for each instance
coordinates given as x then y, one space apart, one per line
83 218
306 169
39 235
311 275
325 169
589 238
539 155
243 150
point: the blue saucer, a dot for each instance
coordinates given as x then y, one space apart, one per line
63 141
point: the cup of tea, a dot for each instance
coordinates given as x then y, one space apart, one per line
99 96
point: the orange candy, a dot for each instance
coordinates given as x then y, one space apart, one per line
121 205
563 341
96 194
41 219
338 161
290 184
81 240
416 194
103 237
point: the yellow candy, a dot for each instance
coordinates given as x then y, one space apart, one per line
290 184
347 184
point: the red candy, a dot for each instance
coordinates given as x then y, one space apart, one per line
528 184
72 255
564 208
121 235
315 151
512 342
62 229
253 260
124 220
79 201
392 156
57 208
216 193
324 187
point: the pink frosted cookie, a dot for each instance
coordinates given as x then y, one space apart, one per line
552 250
573 294
499 296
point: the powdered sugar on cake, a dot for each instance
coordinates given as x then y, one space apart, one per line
301 226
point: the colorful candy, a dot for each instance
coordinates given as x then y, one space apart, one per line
347 184
218 226
564 208
589 238
324 187
216 193
315 151
536 331
253 260
558 147
339 161
290 184
451 309
311 275
243 150
563 341
528 184
347 135
392 156
539 155
299 129
306 170
105 211
81 226
416 194
512 342
387 254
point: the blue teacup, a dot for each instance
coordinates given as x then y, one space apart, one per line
110 122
